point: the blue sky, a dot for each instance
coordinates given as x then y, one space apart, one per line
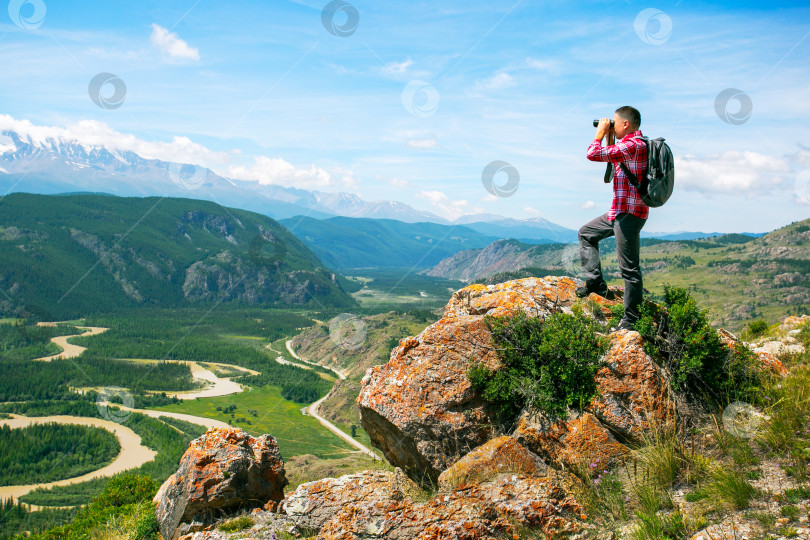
415 102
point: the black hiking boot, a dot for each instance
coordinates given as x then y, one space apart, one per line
601 290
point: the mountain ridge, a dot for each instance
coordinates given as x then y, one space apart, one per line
79 254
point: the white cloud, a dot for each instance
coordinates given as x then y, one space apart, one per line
168 43
499 81
534 212
588 204
735 172
489 197
802 157
542 65
397 182
347 179
6 144
421 143
397 68
277 171
449 209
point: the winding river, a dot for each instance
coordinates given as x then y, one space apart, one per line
133 452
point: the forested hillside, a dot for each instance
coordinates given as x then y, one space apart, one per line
67 256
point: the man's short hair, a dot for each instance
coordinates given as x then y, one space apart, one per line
630 114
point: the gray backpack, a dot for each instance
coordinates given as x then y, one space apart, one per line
658 179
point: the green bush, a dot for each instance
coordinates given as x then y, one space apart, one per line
548 365
126 499
127 489
700 364
757 327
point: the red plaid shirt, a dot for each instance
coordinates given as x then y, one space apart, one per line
633 152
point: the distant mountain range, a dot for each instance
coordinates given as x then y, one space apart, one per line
56 166
71 255
343 243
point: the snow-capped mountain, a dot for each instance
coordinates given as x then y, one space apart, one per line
50 165
53 165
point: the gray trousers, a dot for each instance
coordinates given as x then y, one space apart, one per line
626 228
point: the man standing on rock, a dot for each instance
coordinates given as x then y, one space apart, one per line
626 216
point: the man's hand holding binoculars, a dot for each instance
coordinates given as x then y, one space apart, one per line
604 127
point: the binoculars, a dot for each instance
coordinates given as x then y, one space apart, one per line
596 123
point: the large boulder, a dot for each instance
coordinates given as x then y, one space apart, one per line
493 458
376 504
422 412
420 408
224 470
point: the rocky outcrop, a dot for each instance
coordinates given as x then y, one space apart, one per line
422 412
224 470
493 458
784 338
253 280
375 504
574 443
766 355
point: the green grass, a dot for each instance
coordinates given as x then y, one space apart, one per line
730 486
296 434
237 524
786 431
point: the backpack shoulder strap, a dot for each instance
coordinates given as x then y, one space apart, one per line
630 176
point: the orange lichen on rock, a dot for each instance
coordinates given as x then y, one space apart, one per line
767 358
224 469
570 443
633 397
422 412
497 456
360 506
